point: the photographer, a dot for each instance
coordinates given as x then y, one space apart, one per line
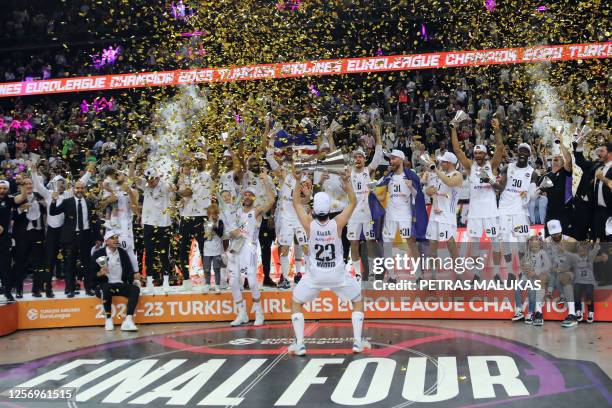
115 276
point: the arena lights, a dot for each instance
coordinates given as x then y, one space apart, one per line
450 59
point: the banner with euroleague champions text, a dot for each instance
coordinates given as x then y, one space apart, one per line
450 59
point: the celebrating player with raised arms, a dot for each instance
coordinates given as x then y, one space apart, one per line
243 251
483 215
326 265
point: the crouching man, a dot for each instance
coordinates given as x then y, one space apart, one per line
114 273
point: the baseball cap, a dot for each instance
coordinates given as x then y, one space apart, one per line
554 227
321 203
480 148
200 155
5 183
151 173
525 146
109 234
398 153
227 153
448 157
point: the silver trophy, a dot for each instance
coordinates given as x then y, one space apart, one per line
545 183
581 134
425 158
481 173
102 261
208 229
460 116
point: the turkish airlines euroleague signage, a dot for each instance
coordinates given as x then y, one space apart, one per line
311 68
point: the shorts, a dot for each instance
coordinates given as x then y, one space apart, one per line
354 230
245 261
288 234
306 291
390 229
516 225
490 226
438 231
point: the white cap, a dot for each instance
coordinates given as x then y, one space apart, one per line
359 151
5 183
398 153
448 157
227 153
554 227
200 156
151 173
109 234
321 203
480 148
526 146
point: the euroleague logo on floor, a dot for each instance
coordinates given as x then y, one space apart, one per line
249 366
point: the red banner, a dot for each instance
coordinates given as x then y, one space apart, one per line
312 68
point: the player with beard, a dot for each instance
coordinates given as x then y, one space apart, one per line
361 219
121 220
514 216
289 231
326 265
404 197
483 215
243 251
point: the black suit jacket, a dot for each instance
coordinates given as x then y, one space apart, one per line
127 271
585 187
68 207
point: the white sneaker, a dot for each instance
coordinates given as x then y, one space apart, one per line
109 325
361 346
259 319
518 316
166 284
205 288
297 349
217 289
128 324
241 318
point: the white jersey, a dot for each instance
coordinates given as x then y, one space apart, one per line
510 201
249 226
399 204
121 218
325 254
286 210
483 203
446 206
359 181
228 183
200 184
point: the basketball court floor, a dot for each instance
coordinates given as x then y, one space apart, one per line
429 363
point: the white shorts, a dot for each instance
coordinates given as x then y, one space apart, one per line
306 291
288 234
390 229
438 231
490 226
354 230
245 261
516 225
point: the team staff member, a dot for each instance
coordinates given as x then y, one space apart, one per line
115 277
6 209
585 202
77 237
560 194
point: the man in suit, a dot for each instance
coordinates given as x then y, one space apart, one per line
585 200
602 197
77 236
112 267
6 210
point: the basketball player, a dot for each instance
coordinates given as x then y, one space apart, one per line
442 225
326 266
404 195
483 215
514 217
361 219
289 229
243 251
